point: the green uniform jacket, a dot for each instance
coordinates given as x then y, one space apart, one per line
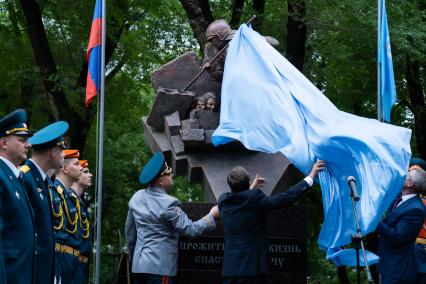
17 233
39 195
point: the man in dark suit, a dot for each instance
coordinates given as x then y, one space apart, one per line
17 233
244 213
47 145
398 231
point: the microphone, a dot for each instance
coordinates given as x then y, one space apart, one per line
352 186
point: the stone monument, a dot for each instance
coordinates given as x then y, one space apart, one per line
180 124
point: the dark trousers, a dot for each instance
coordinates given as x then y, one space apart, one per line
389 280
421 278
70 270
244 280
65 267
82 273
146 278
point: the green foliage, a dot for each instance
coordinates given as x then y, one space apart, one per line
186 192
340 60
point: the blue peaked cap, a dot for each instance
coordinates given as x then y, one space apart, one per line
14 123
152 168
50 136
419 162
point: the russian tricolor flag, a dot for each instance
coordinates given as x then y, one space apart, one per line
94 52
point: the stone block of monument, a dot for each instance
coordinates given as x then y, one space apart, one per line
172 125
186 123
177 144
208 120
194 123
210 168
167 102
179 72
192 136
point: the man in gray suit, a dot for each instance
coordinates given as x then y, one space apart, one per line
154 222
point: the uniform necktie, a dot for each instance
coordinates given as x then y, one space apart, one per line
396 202
21 181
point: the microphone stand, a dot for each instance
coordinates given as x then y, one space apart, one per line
357 239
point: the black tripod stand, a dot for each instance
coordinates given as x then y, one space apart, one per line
357 238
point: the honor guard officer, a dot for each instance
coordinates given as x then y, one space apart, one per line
47 154
154 222
66 212
85 181
17 232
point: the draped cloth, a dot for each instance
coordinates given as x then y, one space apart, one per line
270 106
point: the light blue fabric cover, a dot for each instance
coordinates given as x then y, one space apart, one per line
269 106
347 257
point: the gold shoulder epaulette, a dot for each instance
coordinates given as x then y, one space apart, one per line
24 168
60 189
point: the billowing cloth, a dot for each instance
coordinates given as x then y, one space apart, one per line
269 106
347 257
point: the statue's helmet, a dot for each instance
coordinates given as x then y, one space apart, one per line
218 28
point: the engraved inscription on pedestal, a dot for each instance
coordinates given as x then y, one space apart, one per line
286 248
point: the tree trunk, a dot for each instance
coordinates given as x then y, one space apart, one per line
259 10
200 16
59 105
417 103
296 33
60 108
237 10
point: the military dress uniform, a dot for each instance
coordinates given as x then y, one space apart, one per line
153 224
18 237
38 186
85 247
68 228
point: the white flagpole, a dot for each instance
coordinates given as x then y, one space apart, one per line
379 101
101 148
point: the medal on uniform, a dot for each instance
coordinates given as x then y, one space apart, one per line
39 190
17 194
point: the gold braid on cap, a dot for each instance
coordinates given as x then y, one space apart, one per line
11 131
168 170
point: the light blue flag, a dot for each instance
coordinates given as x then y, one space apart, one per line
269 106
387 81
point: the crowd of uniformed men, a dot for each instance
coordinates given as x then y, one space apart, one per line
44 226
